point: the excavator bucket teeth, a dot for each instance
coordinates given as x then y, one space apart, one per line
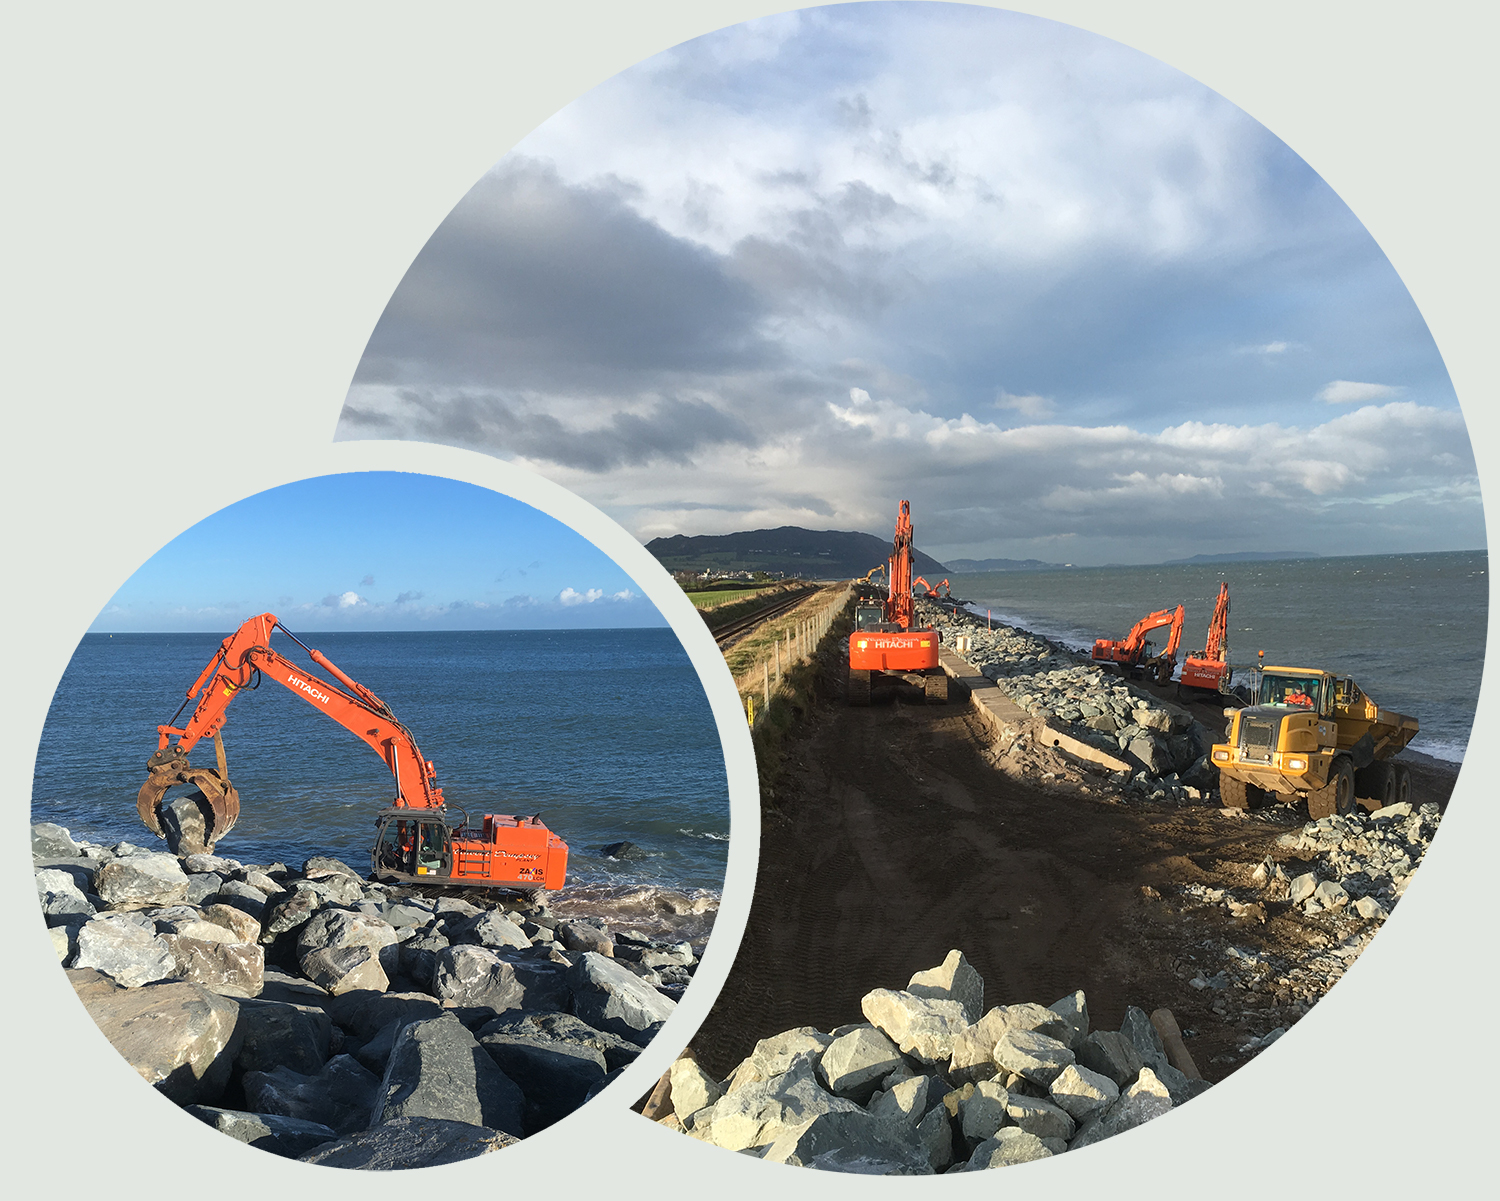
216 799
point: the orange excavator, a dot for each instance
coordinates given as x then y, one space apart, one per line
884 641
417 838
932 593
1209 668
1132 655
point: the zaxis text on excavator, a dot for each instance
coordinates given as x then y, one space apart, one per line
417 838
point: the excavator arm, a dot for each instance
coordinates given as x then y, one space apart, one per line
1218 629
239 664
900 609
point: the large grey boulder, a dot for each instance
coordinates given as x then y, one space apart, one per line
908 1101
1111 1054
773 1056
607 996
490 929
555 1076
341 1094
1039 1117
692 1088
1011 1145
760 1113
244 927
856 1142
563 1029
982 1112
953 980
1074 1011
1147 1098
477 977
922 1028
855 1063
275 1034
419 956
63 902
235 968
51 841
409 1143
1143 1036
1032 1055
288 1137
127 952
365 1013
144 878
438 1070
243 896
181 1038
344 951
1082 1092
585 936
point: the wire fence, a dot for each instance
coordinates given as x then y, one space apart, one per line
797 643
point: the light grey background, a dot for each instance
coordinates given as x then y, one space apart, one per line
206 212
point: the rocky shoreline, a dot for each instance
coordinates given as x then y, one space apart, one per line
320 1016
932 1083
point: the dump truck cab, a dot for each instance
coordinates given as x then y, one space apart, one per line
1314 735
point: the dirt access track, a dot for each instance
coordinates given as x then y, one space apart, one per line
890 836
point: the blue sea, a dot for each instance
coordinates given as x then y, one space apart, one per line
606 733
1409 628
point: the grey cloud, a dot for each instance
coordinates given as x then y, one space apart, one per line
671 429
407 598
367 581
531 282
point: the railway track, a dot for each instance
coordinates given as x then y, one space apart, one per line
727 635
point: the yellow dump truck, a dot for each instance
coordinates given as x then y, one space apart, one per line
1314 735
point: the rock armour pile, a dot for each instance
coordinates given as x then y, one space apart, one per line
320 1016
931 1083
1165 747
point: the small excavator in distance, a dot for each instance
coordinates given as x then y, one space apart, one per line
1209 668
417 838
884 641
1131 655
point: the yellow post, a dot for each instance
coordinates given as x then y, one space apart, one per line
750 711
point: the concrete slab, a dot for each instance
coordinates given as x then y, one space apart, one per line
1008 719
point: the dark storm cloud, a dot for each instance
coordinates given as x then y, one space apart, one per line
531 282
670 430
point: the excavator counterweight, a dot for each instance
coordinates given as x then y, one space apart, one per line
417 837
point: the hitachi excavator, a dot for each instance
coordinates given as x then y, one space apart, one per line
1209 668
884 642
417 838
1132 655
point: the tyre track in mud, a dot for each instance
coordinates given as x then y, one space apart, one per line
891 837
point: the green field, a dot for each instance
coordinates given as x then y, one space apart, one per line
721 596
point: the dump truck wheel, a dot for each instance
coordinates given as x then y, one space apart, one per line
1376 786
1337 796
1400 784
1234 794
858 691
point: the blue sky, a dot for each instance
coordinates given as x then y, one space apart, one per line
1072 304
378 550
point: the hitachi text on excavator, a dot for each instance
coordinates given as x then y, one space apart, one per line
417 837
885 641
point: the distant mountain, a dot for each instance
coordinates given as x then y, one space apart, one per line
814 554
969 566
1245 556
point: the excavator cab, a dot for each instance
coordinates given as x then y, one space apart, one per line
412 843
869 617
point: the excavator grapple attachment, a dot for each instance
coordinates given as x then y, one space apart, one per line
216 800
